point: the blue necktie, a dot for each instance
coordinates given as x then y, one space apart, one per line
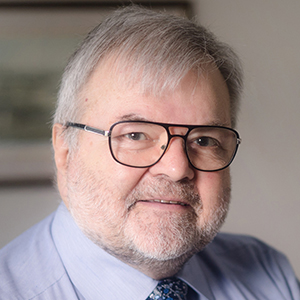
169 289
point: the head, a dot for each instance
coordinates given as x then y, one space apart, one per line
145 66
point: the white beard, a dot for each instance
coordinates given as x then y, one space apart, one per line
115 224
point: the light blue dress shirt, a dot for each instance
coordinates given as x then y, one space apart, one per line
54 260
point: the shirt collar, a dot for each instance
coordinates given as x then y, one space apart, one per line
193 274
95 273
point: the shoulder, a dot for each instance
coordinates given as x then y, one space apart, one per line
30 264
251 263
241 247
245 250
227 243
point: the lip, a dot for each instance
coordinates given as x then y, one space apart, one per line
148 205
165 202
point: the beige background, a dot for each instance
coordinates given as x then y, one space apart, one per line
266 173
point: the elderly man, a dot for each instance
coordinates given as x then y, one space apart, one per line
143 137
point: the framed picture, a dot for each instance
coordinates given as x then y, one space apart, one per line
36 39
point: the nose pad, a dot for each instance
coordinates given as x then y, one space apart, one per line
176 132
172 140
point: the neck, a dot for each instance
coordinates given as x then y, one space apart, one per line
160 269
156 269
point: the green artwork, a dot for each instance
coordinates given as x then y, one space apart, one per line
30 70
26 104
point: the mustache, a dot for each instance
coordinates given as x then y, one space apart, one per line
183 190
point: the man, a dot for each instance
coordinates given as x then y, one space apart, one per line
143 140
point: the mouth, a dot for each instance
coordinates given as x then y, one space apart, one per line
167 202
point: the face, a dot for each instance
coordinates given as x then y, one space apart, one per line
158 213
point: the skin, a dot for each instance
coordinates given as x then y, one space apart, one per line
113 204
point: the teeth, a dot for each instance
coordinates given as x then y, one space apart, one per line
173 202
169 202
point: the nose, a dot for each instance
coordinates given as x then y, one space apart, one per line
174 164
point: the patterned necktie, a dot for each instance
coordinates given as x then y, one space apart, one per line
169 289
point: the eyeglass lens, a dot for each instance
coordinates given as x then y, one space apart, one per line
143 144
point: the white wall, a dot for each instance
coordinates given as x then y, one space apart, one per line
266 173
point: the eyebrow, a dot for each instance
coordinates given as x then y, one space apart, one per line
133 117
218 123
136 117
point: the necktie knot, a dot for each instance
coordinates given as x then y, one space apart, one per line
169 289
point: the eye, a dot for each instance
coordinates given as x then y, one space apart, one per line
206 141
136 136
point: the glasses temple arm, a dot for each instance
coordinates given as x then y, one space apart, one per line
88 128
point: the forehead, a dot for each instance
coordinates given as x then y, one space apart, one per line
114 92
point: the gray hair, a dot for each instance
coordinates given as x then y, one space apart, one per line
161 47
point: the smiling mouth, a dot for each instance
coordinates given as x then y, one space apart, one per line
165 202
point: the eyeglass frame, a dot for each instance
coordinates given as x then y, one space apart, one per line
107 133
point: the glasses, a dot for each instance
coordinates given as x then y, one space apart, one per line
142 144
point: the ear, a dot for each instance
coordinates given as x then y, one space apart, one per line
61 154
61 150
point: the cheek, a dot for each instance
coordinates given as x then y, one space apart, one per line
118 179
124 179
212 187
